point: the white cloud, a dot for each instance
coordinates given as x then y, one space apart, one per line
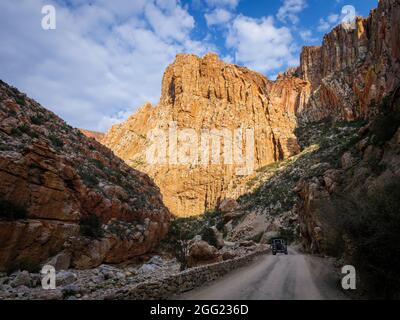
102 62
222 3
217 17
307 35
172 23
290 10
333 18
327 24
260 45
323 25
228 59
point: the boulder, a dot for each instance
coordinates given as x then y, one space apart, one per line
22 278
64 278
228 205
228 227
200 252
247 243
157 260
60 261
347 160
219 238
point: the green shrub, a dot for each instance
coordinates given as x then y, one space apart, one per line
11 211
257 238
89 179
386 122
16 132
212 218
97 163
373 223
209 236
288 234
56 142
24 129
38 119
90 226
21 101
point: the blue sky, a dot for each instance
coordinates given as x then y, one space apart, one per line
106 58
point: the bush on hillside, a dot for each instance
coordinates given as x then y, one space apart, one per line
90 226
371 222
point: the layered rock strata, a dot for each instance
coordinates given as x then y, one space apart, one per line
52 176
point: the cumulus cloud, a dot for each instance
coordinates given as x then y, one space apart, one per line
218 16
333 18
259 44
169 22
307 35
104 59
222 3
327 24
290 10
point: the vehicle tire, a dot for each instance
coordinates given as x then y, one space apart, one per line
285 252
274 253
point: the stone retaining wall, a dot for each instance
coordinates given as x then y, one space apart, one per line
169 286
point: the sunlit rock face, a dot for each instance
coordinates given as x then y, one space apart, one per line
208 94
355 66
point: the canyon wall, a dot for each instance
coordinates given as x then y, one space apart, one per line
354 67
52 177
354 74
207 94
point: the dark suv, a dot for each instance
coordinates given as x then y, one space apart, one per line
278 245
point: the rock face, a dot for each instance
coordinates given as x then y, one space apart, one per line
51 176
228 205
354 67
98 136
200 252
364 189
208 94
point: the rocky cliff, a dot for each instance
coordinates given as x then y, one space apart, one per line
67 195
350 209
207 94
355 67
98 136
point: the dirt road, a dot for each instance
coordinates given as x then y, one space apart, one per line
290 277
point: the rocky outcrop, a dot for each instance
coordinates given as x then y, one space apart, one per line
200 252
354 67
228 205
341 205
98 136
52 176
341 79
208 94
